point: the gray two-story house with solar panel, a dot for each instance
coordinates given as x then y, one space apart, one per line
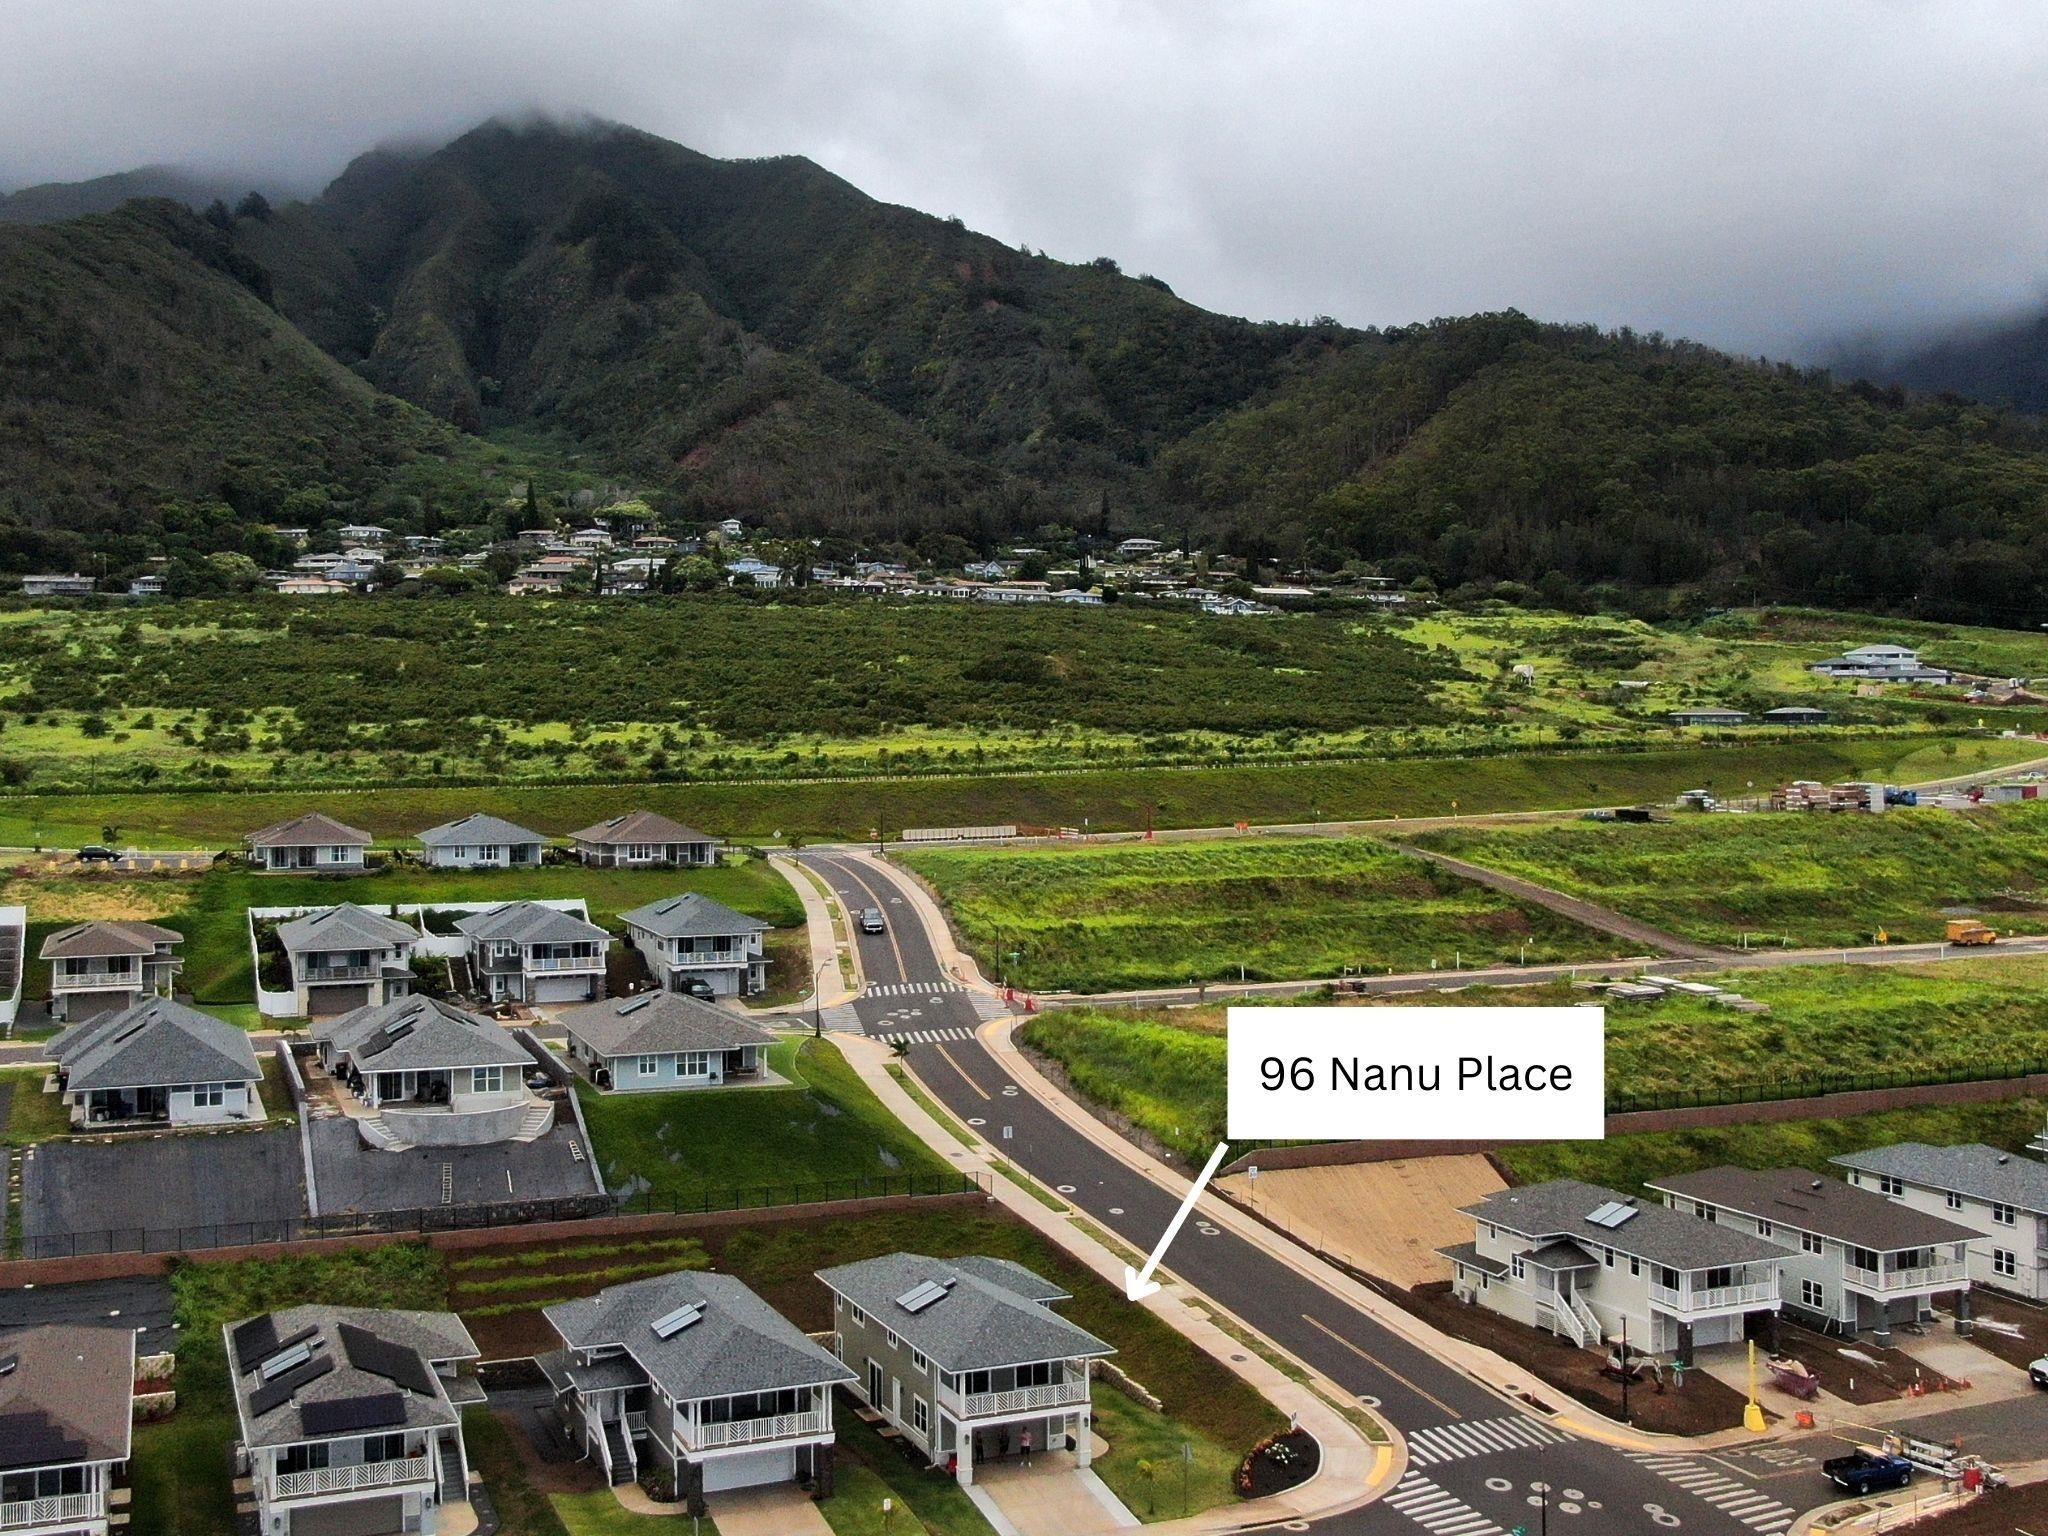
696 1375
347 957
965 1356
351 1418
66 1406
694 944
533 953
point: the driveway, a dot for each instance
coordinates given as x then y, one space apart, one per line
195 1189
782 1510
353 1177
1051 1497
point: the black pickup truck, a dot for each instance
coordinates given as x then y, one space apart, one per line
1860 1472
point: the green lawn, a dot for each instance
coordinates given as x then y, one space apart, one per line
523 1509
855 1508
32 1115
871 1469
1113 916
723 1145
179 1473
1144 1463
1812 879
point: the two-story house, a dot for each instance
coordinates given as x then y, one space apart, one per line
695 1373
965 1356
310 844
663 1040
535 954
66 1410
104 965
694 944
479 841
1853 1259
431 1074
643 839
1588 1264
2002 1198
160 1063
347 957
351 1418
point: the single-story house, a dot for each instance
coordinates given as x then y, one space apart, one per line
52 585
691 938
663 1040
102 965
2002 1197
478 841
347 957
535 954
1795 714
1704 716
67 1407
644 838
421 1056
161 1062
314 843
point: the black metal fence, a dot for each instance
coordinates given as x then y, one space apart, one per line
1765 1090
460 1218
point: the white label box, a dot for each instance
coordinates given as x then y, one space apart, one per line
1417 1074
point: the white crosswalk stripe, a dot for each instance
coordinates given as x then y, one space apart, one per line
1731 1495
913 988
1480 1437
1443 1514
927 1036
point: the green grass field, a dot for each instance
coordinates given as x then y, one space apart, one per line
1810 879
1115 916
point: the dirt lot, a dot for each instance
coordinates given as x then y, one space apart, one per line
1883 1382
2032 1322
1384 1218
1702 1406
2003 1513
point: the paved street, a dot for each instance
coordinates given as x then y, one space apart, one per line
1483 1493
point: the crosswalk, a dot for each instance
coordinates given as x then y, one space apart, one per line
913 988
1731 1495
1438 1512
926 1036
1480 1437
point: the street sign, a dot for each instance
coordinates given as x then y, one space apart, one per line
1006 1132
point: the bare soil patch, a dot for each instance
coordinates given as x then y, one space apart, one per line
1387 1219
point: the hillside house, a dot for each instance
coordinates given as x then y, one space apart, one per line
1795 714
1853 1260
66 1427
478 841
1582 1261
643 839
1886 663
532 953
158 1062
351 1418
433 1075
347 957
72 585
1707 716
105 965
310 844
2002 1198
694 944
964 1356
661 1040
696 1374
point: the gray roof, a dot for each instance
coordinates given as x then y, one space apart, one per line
978 1324
691 915
315 829
86 941
1468 1254
653 1023
641 827
1801 1199
478 828
1975 1170
1561 1254
1011 1275
739 1344
69 1396
1657 1234
347 926
154 1044
608 1374
426 1336
528 922
419 1034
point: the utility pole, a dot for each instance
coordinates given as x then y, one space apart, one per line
1624 1370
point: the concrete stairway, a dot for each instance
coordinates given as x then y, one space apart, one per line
538 1120
378 1135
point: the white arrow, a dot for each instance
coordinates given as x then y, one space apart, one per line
1138 1283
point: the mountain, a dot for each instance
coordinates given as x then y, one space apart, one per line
2003 361
50 201
589 305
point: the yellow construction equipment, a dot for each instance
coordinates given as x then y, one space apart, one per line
1967 930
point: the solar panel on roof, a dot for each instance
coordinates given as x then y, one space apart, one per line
669 1324
1612 1214
921 1295
254 1340
396 1026
391 1037
637 1004
131 1031
373 1410
286 1360
275 1394
31 1438
381 1357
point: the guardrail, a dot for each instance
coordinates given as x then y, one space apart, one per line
369 1474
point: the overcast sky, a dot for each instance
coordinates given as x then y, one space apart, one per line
1756 175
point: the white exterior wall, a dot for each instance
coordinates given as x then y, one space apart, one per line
238 1101
2026 1239
483 856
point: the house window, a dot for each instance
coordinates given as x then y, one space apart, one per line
1813 1295
890 1335
1955 1201
1702 1210
648 1066
694 1064
2003 1263
1811 1242
303 1458
918 1362
920 1418
1888 1185
383 1447
1492 1230
1635 1264
1608 1256
1763 1228
860 1318
486 1079
2004 1215
208 1095
1516 1264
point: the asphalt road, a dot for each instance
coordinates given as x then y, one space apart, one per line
1481 1485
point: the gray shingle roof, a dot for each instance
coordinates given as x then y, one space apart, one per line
528 922
154 1044
347 926
477 828
315 829
1655 1233
1975 1170
691 915
75 1386
977 1325
1802 1199
641 827
430 1336
654 1023
419 1034
87 941
1468 1254
740 1344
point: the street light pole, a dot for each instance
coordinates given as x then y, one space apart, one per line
818 999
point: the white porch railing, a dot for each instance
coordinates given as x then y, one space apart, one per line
979 1405
565 962
369 1474
338 972
1714 1298
782 1426
1904 1279
52 1511
1566 1319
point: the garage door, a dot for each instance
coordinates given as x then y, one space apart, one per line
561 989
354 1517
85 1005
749 1470
321 1001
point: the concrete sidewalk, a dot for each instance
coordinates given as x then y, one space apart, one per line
1354 1470
827 940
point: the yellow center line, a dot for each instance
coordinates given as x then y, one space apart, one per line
970 1082
1381 1365
902 970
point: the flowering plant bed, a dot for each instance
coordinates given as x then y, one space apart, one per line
1279 1462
